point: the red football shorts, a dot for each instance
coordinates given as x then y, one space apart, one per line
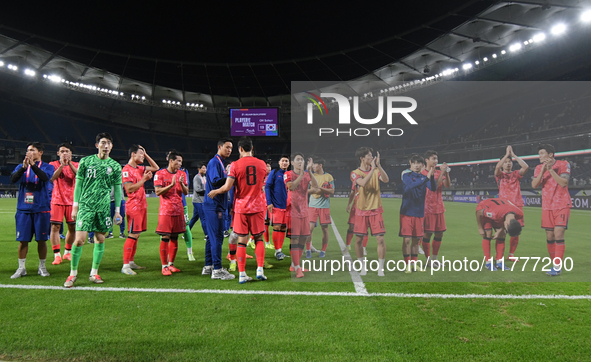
314 214
300 227
555 218
58 212
279 217
244 224
435 223
137 220
169 224
374 222
411 226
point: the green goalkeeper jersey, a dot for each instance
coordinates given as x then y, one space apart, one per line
97 177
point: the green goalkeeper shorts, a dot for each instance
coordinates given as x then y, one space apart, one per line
92 220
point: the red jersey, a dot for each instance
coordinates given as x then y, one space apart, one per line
496 209
136 201
434 199
249 175
509 187
63 186
171 203
299 196
554 197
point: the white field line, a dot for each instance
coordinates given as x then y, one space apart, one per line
357 281
293 293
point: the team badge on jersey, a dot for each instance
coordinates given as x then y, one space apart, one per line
489 214
109 170
156 177
125 174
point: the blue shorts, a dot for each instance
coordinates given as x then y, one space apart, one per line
37 223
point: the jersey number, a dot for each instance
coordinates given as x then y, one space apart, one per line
251 175
91 173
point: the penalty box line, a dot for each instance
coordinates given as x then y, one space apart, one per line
294 293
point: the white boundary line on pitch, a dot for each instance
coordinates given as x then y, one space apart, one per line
357 281
293 293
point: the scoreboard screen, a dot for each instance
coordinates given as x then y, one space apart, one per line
254 122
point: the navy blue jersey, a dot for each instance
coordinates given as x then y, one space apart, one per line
275 190
215 178
415 188
33 193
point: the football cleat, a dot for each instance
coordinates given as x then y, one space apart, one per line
421 251
232 267
261 276
554 272
313 249
244 279
251 243
299 273
128 271
269 246
222 274
266 265
191 257
308 254
62 236
57 260
279 255
20 272
43 271
364 251
122 236
134 266
166 271
490 267
109 236
322 254
248 256
96 279
500 266
173 269
67 256
207 270
70 281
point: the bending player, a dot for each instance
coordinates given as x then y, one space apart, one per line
412 210
134 176
276 195
64 180
246 176
510 188
91 209
297 181
434 208
553 176
368 214
170 183
504 217
319 207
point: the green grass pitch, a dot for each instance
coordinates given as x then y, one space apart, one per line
75 325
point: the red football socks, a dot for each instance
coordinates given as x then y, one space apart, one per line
259 251
173 246
513 244
232 249
486 248
164 251
241 256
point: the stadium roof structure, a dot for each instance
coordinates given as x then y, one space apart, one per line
488 33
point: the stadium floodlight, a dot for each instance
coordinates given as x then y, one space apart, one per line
531 40
477 62
485 59
201 106
1 63
467 66
515 47
494 56
164 101
558 29
503 52
143 98
525 42
586 16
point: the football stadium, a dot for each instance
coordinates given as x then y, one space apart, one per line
251 182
